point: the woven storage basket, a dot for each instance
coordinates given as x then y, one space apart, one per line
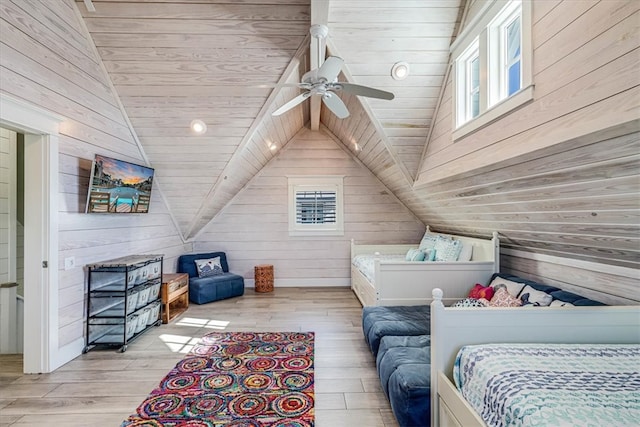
264 278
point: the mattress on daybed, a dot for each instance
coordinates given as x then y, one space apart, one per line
365 263
551 384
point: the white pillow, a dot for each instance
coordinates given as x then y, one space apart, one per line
467 251
531 296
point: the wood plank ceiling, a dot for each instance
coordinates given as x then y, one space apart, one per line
173 61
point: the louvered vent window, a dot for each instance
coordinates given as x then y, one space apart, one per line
315 206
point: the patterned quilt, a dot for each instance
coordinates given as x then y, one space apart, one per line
551 384
366 263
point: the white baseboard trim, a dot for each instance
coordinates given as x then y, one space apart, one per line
301 283
67 353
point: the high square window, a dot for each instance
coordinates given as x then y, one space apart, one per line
492 65
315 206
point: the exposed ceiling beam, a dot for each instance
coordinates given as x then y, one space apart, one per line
317 53
89 5
319 12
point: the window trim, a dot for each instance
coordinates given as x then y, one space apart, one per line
463 82
479 27
497 84
315 183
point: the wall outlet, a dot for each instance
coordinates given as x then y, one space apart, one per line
69 263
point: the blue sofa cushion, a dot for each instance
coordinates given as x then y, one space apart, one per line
399 356
391 341
587 301
410 394
378 322
385 328
187 263
574 299
370 315
213 288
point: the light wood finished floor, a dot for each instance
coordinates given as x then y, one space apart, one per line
102 387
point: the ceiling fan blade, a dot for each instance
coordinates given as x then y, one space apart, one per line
290 104
330 68
363 91
335 104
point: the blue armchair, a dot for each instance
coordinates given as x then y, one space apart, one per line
210 288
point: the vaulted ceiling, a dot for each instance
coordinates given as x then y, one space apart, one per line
173 61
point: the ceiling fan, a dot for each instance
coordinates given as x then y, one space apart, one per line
323 82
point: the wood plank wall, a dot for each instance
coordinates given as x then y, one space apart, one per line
585 72
610 285
253 229
559 177
48 60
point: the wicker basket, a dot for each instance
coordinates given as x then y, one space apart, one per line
264 278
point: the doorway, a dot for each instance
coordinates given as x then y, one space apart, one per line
40 128
11 242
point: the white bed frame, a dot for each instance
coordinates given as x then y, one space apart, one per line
411 283
451 328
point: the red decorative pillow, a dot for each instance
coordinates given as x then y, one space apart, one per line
480 291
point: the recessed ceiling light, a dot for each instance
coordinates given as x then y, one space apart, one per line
198 127
273 146
400 70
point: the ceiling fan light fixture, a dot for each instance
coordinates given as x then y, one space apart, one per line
400 70
319 31
323 82
198 127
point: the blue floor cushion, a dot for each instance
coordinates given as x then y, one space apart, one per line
396 357
393 341
394 321
370 315
410 395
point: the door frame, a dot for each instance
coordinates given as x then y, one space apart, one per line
40 128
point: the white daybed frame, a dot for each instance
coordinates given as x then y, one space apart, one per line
451 328
411 283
